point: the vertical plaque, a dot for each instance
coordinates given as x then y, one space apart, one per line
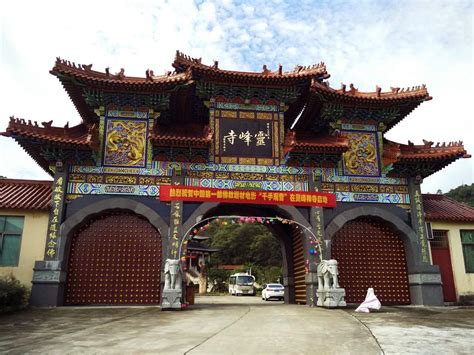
176 217
56 212
418 219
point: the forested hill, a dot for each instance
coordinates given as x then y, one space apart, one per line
463 193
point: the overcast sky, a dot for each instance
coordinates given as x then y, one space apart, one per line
368 43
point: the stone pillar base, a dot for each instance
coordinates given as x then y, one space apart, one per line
426 286
426 289
171 299
48 284
331 298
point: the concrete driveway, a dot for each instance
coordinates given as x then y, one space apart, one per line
215 325
421 330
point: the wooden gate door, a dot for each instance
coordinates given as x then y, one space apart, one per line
298 266
441 257
115 259
370 254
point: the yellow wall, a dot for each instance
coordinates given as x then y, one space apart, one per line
464 282
32 245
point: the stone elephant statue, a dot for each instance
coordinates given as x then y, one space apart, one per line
173 276
327 275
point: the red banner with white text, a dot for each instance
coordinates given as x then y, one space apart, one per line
202 194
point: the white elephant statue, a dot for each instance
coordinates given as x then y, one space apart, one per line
327 275
172 274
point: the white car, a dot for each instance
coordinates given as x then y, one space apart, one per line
273 291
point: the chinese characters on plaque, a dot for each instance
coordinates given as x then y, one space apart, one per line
246 132
54 218
246 138
175 227
421 227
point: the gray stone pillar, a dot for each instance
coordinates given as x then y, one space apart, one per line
49 276
288 280
424 279
417 216
312 250
289 284
172 298
311 280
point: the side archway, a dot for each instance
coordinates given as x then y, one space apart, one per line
373 248
407 234
114 259
112 254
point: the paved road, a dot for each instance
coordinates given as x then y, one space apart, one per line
422 330
217 325
275 328
238 325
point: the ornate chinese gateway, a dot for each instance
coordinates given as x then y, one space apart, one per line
154 156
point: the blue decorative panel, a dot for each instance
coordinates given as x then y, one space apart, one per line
110 189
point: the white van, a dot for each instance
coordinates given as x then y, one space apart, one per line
241 284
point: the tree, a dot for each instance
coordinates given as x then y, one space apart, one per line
218 278
244 243
463 193
248 244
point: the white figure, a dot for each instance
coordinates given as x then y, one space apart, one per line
327 275
172 275
371 302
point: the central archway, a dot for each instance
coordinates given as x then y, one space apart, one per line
290 237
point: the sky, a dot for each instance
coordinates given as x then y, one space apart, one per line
368 43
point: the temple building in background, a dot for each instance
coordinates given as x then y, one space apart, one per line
155 156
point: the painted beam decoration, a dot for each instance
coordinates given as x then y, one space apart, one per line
246 133
389 190
90 180
99 180
247 156
361 176
183 193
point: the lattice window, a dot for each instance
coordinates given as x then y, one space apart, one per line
440 239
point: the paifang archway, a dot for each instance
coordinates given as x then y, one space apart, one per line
284 134
290 237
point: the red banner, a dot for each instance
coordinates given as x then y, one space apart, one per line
202 194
